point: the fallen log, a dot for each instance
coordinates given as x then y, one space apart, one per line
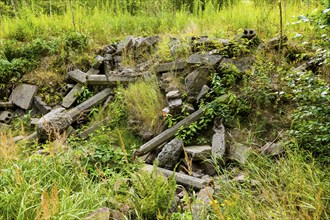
102 80
169 133
181 178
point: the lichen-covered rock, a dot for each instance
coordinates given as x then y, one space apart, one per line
170 154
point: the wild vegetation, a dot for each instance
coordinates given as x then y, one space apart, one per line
40 41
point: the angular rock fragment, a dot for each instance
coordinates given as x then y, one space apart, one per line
218 140
203 92
99 214
239 152
272 149
41 105
72 96
173 95
78 76
175 105
93 71
101 80
23 94
196 80
198 153
170 154
172 66
98 60
204 59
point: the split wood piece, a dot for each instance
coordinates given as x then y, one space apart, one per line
93 101
72 96
8 104
181 178
93 128
102 80
169 133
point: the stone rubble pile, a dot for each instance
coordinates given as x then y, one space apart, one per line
108 69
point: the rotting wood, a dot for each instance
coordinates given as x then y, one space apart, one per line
169 133
181 178
102 80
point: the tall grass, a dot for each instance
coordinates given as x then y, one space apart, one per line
104 23
292 187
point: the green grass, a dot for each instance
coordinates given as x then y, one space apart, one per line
292 187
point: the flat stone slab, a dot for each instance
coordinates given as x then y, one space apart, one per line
23 94
204 59
198 153
172 66
78 76
41 105
72 96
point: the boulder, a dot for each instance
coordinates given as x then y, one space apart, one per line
173 95
23 94
170 154
196 80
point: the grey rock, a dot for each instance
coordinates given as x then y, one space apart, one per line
275 42
238 66
239 152
218 141
175 105
196 79
205 89
65 89
23 94
173 95
41 105
34 121
53 123
72 96
110 49
203 200
170 154
97 62
172 66
198 153
5 117
78 76
204 59
272 149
